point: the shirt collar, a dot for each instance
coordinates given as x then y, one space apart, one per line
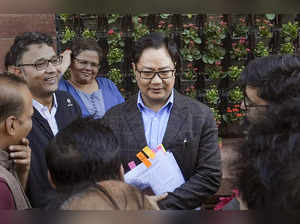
141 106
40 106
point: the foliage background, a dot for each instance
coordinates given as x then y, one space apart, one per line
215 49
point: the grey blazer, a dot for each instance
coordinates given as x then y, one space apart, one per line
191 135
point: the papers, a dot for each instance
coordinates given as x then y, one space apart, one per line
164 174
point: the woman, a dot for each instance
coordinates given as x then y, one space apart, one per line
95 95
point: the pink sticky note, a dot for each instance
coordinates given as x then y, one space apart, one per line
131 165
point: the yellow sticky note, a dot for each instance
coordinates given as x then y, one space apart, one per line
149 152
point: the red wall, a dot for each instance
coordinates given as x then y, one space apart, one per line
15 24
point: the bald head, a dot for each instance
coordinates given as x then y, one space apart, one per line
11 100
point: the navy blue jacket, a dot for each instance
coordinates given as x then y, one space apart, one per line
38 185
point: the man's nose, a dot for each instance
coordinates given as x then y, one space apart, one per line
156 79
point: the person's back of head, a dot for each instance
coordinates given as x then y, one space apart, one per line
276 77
108 195
83 152
15 109
266 167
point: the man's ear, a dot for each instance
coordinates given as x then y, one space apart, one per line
15 70
134 69
51 180
11 125
122 173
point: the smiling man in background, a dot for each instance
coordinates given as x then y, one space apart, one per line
33 57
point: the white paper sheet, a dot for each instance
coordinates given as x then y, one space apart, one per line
164 175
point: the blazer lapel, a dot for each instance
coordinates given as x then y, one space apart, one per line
176 120
135 123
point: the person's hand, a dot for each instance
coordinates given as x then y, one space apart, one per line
156 198
21 156
66 61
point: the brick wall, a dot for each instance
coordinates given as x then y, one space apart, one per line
15 24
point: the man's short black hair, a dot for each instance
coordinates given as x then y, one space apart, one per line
21 43
84 152
156 40
11 102
267 166
276 77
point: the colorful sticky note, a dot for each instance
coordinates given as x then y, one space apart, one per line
131 165
149 152
161 147
144 159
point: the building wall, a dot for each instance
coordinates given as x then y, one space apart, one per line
15 24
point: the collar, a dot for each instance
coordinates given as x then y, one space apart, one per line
141 106
4 160
41 107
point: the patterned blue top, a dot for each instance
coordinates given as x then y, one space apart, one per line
155 123
94 102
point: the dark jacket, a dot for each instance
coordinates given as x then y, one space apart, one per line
40 135
198 158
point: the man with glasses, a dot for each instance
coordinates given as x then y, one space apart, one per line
160 115
33 57
269 81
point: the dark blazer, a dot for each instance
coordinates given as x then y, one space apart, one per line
198 158
39 137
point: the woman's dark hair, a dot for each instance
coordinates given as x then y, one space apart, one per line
276 77
80 45
267 166
156 40
84 152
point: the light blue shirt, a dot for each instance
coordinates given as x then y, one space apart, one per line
94 102
155 123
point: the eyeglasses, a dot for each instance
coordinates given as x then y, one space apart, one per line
249 104
43 63
163 75
83 63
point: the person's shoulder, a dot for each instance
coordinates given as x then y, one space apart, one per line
124 107
105 81
6 197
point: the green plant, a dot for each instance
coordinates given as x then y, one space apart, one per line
68 35
191 91
287 48
89 34
140 29
234 72
239 50
290 31
212 95
214 72
240 28
233 114
217 115
236 95
115 75
261 50
264 28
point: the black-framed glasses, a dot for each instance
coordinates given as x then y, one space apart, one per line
163 75
43 63
84 63
249 104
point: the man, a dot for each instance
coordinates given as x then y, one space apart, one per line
159 114
34 58
15 123
83 154
269 81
